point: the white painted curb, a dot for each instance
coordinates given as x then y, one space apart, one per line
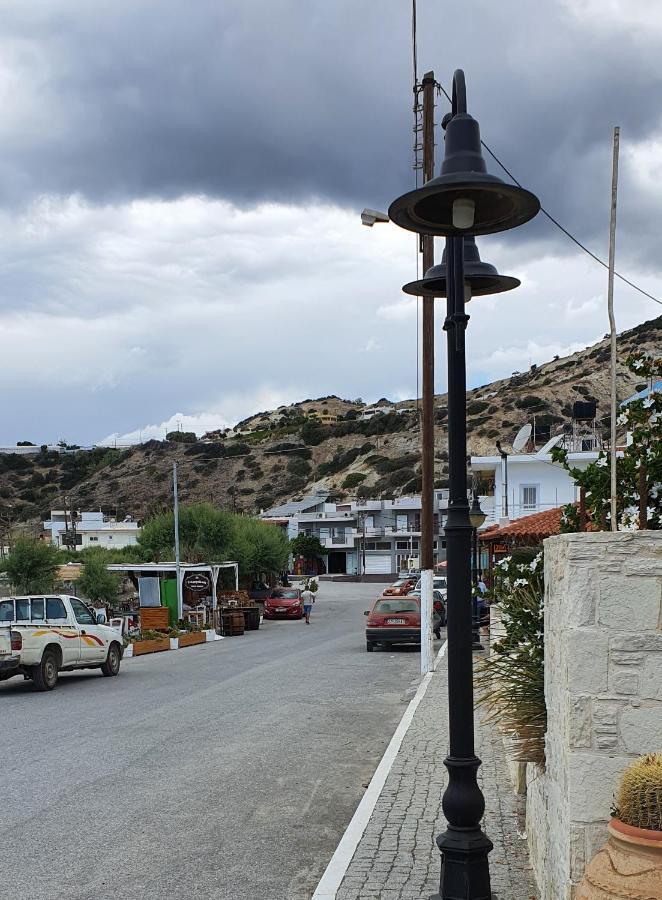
339 863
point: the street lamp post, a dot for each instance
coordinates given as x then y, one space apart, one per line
476 517
464 200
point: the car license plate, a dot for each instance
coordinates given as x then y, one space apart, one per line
395 621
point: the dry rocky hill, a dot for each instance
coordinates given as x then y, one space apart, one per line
293 451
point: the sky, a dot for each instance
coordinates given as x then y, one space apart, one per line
181 187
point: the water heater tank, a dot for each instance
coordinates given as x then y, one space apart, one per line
584 409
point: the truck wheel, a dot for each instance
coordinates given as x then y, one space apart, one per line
45 674
111 666
369 646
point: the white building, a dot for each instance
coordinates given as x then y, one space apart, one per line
375 537
534 483
91 529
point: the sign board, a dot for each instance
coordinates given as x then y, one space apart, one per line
197 582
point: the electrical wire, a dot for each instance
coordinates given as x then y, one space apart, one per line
554 221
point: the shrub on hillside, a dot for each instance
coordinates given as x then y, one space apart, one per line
353 480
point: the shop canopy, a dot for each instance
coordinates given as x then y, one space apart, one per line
186 571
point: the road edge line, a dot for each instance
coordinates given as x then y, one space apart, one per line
334 873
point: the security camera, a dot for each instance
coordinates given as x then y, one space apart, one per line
370 216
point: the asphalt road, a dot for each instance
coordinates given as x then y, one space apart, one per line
228 770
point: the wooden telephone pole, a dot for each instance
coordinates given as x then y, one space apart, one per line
427 403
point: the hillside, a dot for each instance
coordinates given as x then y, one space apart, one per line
288 452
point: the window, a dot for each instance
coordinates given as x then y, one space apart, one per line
396 605
82 613
6 610
401 523
22 610
93 538
55 609
529 497
37 609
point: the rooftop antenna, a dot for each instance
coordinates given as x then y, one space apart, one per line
522 438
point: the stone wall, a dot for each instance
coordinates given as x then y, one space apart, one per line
603 687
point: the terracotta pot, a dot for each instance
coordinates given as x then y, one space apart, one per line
628 866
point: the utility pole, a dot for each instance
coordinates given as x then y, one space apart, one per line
427 420
612 326
180 604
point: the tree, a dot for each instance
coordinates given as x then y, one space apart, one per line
205 534
31 565
306 545
96 583
259 547
638 470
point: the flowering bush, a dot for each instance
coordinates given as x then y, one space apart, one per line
638 471
510 681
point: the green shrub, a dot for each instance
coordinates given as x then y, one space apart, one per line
353 480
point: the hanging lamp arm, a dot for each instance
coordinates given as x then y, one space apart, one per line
459 102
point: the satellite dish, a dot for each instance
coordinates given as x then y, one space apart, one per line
522 438
551 443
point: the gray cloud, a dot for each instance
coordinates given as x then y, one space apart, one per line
179 186
249 100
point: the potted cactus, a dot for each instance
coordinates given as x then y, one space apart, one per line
630 863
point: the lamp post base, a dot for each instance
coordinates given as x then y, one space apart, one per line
465 872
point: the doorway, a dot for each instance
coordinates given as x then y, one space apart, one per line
337 562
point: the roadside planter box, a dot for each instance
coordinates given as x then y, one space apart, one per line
193 637
153 646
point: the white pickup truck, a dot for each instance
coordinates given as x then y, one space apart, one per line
41 636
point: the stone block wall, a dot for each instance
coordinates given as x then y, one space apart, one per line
603 688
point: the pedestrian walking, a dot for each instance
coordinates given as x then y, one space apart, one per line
308 599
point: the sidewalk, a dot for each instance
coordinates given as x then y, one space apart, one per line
397 858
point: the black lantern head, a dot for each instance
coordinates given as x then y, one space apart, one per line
464 199
481 277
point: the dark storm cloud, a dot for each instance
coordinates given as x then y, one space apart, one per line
286 100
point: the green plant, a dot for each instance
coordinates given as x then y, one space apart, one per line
638 470
353 480
639 798
306 545
31 565
510 683
96 583
182 437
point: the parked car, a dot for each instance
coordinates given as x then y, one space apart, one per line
439 583
438 607
284 603
393 620
58 634
400 588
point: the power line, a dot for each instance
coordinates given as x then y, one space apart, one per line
558 224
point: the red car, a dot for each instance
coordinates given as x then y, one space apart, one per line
284 603
400 587
393 620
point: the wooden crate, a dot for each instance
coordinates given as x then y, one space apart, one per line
154 618
193 637
155 646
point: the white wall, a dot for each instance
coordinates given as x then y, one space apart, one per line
603 690
555 487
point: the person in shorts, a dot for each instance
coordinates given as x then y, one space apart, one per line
308 599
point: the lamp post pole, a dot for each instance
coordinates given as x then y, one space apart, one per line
464 846
462 202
